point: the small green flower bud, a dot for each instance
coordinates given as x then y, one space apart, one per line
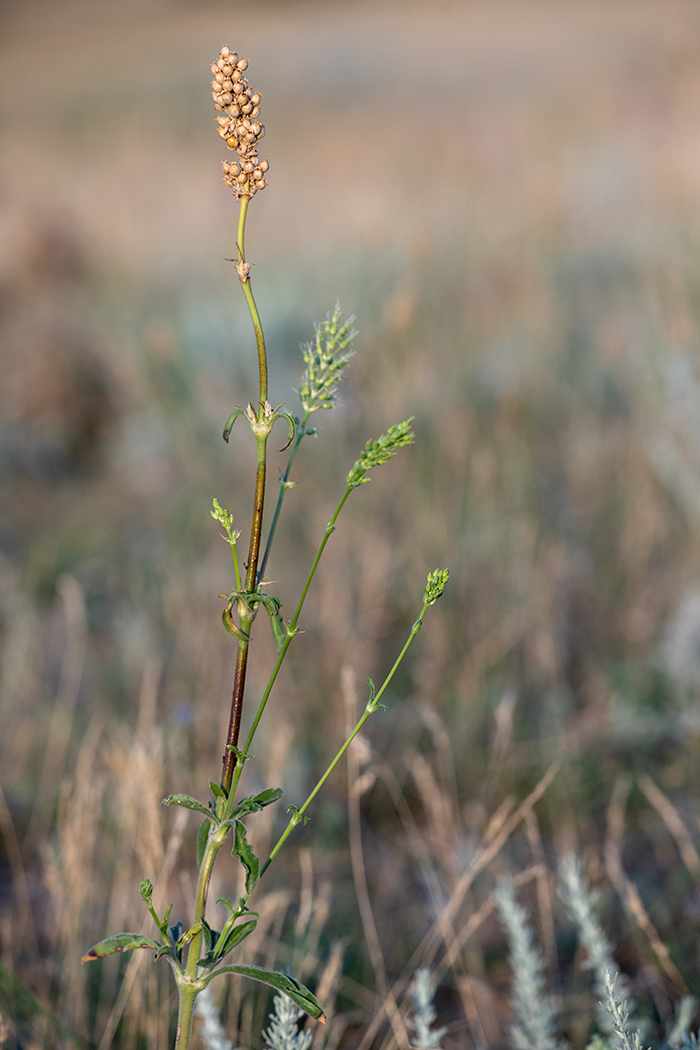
146 890
380 451
437 581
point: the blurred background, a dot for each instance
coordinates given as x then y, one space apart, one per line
507 195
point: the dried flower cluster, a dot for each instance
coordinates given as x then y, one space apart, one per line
240 128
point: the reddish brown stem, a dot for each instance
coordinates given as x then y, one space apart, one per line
246 622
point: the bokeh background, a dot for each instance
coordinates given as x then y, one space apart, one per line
507 195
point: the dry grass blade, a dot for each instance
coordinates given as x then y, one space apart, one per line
482 858
426 951
544 894
537 871
359 873
628 892
672 819
19 877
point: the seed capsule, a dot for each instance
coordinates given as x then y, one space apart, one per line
231 142
243 64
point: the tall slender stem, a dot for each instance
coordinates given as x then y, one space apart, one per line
246 615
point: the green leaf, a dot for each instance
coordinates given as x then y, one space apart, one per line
202 838
254 803
297 816
187 802
279 630
292 988
187 936
248 859
237 934
230 421
121 942
211 936
217 790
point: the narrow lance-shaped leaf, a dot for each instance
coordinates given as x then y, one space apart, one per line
202 838
237 934
243 850
254 803
121 942
187 802
296 991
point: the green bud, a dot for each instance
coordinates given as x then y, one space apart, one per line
437 581
146 890
325 359
380 451
221 515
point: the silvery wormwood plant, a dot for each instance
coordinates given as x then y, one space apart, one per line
197 954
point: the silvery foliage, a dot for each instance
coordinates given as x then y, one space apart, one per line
534 1025
581 903
422 992
628 1038
283 1030
212 1031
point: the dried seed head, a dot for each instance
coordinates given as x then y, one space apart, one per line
239 127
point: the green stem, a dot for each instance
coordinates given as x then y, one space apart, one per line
185 1014
186 990
371 707
248 293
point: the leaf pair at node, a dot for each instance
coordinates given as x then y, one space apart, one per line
262 422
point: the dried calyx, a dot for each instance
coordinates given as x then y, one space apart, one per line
240 127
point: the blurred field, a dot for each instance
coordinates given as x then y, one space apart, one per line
507 195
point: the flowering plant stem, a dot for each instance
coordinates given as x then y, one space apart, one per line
246 614
196 955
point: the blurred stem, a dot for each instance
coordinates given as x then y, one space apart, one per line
246 615
301 433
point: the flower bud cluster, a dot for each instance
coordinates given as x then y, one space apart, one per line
380 451
325 360
240 127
